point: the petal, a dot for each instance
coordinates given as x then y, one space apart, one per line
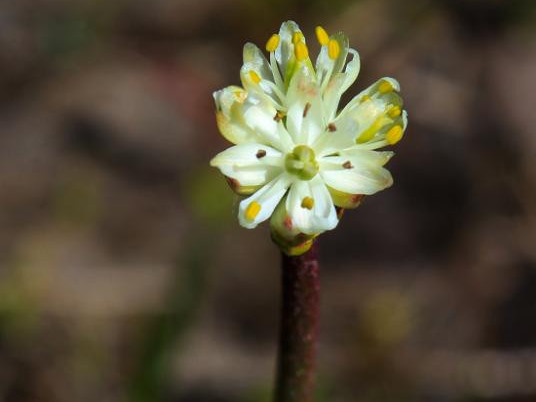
357 171
316 217
254 57
266 199
339 83
260 116
305 114
249 164
257 76
324 64
333 140
369 115
284 53
229 117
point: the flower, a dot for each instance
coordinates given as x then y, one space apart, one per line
294 150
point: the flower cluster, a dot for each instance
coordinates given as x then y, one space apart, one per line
296 156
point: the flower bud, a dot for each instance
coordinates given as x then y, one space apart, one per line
289 239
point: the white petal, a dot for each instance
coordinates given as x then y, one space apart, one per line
330 142
321 217
229 115
284 53
366 175
254 56
267 197
339 83
305 115
381 99
249 164
260 118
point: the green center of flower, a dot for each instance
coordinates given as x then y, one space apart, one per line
302 162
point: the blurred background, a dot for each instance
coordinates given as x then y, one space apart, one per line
124 275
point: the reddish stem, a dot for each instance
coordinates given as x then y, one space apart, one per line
299 328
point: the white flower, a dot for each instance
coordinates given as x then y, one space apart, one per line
293 148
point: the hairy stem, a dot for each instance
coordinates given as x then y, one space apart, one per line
299 328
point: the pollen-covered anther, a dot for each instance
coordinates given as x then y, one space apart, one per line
332 127
347 165
322 35
394 112
300 51
385 87
272 43
394 135
308 203
240 96
306 109
252 210
279 116
297 37
254 76
261 153
334 49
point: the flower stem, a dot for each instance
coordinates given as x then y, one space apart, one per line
299 328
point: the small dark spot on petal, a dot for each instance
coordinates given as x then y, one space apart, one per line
306 109
261 153
288 222
347 165
332 127
233 183
357 198
278 116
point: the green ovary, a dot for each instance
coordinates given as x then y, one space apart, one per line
301 162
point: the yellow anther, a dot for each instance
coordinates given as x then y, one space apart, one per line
334 49
322 35
297 37
394 135
300 51
252 210
272 43
394 112
254 76
385 87
308 203
365 98
240 96
371 131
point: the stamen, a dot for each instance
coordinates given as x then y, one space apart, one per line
272 43
322 35
276 90
300 51
297 37
308 203
365 98
279 116
394 112
385 87
376 126
306 109
347 165
334 49
252 210
332 127
254 76
240 96
261 153
394 135
275 70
